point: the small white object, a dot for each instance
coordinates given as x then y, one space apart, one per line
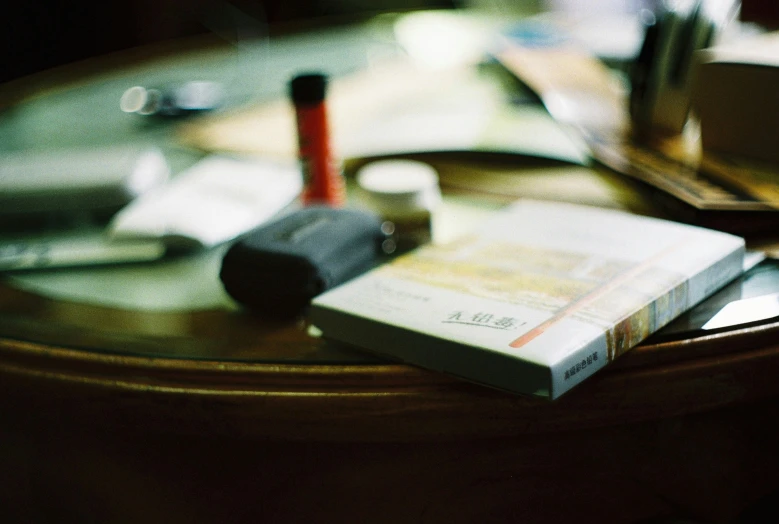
744 311
404 193
214 201
136 100
395 186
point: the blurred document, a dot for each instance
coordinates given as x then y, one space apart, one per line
77 181
216 200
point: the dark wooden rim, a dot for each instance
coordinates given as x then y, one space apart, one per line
378 402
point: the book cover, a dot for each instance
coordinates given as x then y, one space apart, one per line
537 300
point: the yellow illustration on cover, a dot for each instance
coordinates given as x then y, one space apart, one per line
591 288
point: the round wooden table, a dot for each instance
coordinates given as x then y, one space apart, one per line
112 413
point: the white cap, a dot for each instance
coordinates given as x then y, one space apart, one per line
397 186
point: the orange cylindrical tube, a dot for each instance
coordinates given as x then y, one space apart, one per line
323 181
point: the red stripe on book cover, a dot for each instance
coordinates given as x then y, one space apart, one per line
593 295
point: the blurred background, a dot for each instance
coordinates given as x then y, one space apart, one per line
41 34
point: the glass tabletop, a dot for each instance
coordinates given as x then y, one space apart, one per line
177 308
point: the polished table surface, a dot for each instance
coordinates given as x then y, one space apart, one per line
143 392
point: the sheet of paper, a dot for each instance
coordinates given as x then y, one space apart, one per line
216 200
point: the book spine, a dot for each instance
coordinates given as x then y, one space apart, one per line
636 327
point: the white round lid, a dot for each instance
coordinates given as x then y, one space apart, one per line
397 177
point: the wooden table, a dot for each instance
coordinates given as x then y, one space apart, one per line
113 414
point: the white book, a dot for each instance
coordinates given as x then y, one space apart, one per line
537 300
